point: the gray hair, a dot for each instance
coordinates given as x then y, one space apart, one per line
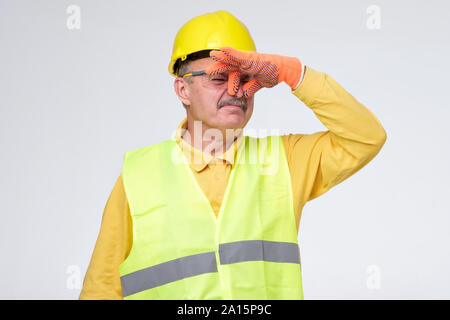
182 67
182 70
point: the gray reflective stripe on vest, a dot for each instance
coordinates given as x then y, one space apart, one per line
233 252
169 271
258 250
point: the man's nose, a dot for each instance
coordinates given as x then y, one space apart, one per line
234 79
240 92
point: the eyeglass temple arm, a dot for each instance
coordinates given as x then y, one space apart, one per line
196 73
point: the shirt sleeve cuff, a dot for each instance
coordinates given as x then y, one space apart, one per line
301 77
310 86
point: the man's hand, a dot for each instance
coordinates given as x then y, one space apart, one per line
268 69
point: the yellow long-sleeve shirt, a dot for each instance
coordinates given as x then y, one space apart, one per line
316 163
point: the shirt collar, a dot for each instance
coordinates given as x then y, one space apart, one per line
198 159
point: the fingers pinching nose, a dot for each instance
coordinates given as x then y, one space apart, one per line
234 82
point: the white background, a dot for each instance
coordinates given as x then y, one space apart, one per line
73 101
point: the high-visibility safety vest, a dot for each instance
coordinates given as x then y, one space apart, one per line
180 249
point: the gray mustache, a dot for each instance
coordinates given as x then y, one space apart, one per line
234 101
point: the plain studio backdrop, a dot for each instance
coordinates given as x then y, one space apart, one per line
82 82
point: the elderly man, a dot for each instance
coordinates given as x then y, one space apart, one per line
212 213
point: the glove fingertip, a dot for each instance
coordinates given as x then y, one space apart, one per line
251 87
229 50
233 82
215 68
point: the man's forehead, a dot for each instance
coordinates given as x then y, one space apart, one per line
204 63
201 64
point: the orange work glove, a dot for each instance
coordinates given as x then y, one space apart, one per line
268 69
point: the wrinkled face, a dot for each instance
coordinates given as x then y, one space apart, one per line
207 99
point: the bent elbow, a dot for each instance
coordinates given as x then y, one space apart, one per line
381 138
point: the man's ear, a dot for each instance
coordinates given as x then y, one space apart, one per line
182 90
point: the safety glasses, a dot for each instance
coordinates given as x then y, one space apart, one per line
219 80
195 73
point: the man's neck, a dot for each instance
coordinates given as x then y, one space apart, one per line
211 140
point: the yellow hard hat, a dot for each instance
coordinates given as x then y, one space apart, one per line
208 32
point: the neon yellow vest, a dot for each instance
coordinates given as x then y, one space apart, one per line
182 251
